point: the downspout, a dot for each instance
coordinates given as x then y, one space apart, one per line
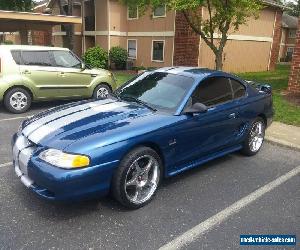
83 26
108 22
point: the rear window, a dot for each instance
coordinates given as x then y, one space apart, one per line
33 58
36 58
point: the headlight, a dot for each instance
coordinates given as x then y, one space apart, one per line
64 160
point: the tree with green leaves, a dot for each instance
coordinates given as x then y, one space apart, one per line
223 17
293 8
17 5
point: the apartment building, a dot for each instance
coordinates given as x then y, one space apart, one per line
288 37
161 38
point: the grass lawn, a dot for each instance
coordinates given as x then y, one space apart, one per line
284 111
122 77
278 79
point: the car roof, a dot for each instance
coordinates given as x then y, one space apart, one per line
30 47
196 73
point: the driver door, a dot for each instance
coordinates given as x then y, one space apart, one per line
204 134
73 81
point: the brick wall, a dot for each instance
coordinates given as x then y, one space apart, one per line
294 80
186 44
276 40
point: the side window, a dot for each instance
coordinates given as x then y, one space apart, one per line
36 58
16 54
213 91
65 59
238 89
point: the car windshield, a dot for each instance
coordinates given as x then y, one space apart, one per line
159 90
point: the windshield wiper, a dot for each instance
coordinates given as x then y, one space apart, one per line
132 98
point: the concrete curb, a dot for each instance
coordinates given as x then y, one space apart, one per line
282 143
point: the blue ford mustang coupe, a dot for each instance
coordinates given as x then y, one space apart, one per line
156 125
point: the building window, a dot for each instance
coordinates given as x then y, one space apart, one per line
158 48
132 13
289 54
292 33
160 11
132 49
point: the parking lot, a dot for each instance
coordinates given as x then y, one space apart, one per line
184 204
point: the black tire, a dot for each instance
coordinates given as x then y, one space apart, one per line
105 89
120 177
21 106
247 149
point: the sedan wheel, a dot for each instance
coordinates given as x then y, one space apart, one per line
255 138
136 180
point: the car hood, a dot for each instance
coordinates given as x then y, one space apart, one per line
64 125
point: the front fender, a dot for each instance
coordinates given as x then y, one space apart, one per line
102 79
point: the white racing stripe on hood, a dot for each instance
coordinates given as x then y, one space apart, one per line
64 112
37 135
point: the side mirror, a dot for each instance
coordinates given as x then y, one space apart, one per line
83 66
196 109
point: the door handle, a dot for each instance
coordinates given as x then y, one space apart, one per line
26 72
232 116
62 74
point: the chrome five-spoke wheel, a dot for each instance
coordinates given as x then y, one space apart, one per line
142 179
137 178
255 137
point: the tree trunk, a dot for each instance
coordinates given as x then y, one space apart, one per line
219 60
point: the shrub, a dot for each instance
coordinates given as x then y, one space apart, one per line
8 42
96 57
118 56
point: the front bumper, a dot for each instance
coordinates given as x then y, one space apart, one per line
54 183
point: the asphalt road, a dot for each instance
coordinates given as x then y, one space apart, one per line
182 203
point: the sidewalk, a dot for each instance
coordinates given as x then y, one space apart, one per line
284 135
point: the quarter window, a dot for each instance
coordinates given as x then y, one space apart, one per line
160 11
36 58
132 49
213 91
16 54
158 51
238 89
132 12
66 59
